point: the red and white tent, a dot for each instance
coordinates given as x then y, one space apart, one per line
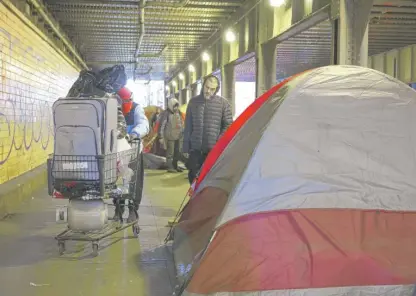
311 191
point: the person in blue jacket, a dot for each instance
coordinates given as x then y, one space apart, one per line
137 127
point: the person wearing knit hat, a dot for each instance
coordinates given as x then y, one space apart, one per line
137 122
137 127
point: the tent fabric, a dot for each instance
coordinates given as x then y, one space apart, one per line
234 129
231 163
190 230
182 109
315 190
335 144
407 290
309 248
150 139
196 227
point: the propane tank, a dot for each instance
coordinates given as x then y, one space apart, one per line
87 215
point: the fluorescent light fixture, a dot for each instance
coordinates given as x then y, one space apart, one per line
205 56
277 3
230 36
191 68
181 76
174 83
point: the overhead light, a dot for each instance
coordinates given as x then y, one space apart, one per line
230 36
181 77
174 83
277 3
205 56
191 68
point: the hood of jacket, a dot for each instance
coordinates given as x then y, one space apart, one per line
172 103
201 93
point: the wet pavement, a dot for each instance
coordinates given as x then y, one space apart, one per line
31 266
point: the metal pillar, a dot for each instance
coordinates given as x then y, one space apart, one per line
228 84
353 32
265 68
194 90
188 95
183 96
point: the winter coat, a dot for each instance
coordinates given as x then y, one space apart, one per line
137 122
121 124
171 123
206 120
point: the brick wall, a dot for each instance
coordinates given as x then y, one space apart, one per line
32 76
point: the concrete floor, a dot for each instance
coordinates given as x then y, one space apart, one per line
30 264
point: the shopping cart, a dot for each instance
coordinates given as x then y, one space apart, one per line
88 181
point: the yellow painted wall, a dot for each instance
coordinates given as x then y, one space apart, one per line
32 76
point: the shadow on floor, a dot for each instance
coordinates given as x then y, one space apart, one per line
174 181
158 211
152 173
157 264
83 251
30 249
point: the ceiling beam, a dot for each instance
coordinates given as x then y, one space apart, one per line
395 9
151 4
72 6
398 3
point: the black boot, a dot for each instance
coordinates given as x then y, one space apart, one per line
171 169
117 213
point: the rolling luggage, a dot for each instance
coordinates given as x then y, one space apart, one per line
85 131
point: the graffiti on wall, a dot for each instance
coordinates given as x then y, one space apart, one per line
32 77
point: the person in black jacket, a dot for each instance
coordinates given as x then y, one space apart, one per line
207 117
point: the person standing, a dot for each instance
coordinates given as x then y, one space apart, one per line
155 117
207 117
137 126
171 134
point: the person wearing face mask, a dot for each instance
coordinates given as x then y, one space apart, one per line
171 133
136 126
207 117
136 120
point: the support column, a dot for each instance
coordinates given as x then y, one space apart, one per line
188 95
335 42
194 90
353 32
228 84
265 68
183 96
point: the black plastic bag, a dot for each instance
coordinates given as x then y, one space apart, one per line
111 79
85 86
90 84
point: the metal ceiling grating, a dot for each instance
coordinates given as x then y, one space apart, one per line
107 31
392 25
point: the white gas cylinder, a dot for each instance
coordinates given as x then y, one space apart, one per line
87 215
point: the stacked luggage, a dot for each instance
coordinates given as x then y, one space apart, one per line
88 123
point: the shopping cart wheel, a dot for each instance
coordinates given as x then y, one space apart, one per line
95 249
61 247
136 230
